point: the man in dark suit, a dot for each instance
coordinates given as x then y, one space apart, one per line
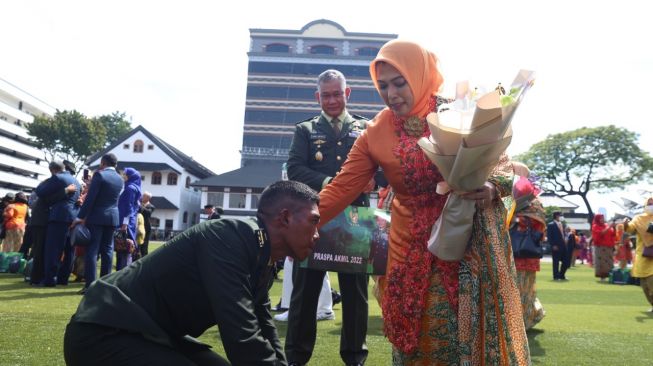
99 213
319 148
61 215
211 212
68 250
556 238
218 272
38 223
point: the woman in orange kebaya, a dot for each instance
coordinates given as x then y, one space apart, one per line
435 312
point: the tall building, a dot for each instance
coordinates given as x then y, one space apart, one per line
281 83
22 165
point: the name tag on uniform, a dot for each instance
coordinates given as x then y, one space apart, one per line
317 136
355 134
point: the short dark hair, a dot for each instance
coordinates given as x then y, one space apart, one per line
289 193
56 166
70 167
20 197
557 213
208 206
109 160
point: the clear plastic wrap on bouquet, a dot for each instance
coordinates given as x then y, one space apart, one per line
466 147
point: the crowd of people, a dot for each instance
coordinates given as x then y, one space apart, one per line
39 227
471 311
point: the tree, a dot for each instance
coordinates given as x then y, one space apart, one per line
69 135
576 162
116 126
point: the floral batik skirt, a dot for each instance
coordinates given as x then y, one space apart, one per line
603 261
531 306
484 326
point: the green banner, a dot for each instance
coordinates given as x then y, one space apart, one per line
356 241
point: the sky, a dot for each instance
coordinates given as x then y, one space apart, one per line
179 68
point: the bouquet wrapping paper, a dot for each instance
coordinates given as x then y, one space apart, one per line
466 147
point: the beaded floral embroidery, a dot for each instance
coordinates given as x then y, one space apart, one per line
407 282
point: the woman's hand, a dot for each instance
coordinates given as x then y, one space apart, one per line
483 196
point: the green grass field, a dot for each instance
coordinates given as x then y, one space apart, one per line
587 323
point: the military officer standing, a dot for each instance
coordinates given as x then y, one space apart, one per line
319 148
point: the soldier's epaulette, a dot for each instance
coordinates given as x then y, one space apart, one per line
308 119
359 117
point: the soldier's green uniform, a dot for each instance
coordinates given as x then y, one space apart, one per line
216 272
315 157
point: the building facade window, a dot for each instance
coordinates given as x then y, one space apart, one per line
368 51
323 50
277 47
294 68
187 182
138 146
254 203
172 179
185 217
156 178
125 146
215 198
155 222
237 200
194 218
150 147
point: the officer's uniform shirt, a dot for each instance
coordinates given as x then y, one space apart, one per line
317 152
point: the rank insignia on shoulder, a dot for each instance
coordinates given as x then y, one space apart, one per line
262 237
319 142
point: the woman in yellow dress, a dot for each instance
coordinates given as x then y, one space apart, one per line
642 225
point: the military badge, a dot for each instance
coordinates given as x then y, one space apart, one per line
319 156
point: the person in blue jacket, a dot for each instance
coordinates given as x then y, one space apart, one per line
99 213
62 214
128 204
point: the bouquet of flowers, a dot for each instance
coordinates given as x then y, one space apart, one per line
467 139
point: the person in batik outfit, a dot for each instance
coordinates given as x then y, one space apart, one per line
466 312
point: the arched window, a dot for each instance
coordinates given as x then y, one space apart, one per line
185 218
277 47
138 146
368 51
323 50
172 179
156 178
187 182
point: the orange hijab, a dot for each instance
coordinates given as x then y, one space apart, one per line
418 66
